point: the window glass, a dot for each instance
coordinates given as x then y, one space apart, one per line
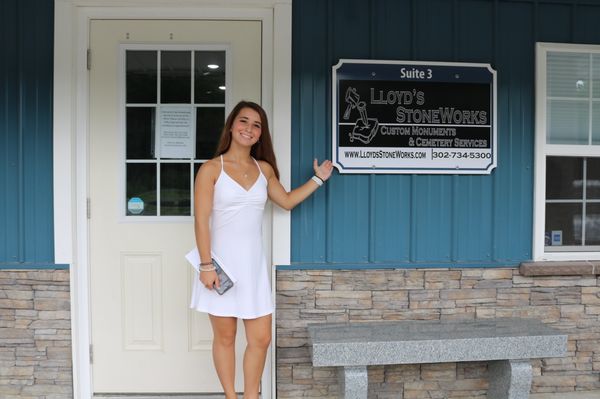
140 76
140 133
175 189
563 224
175 77
209 123
163 187
593 179
596 76
209 77
564 176
596 123
592 224
141 184
565 202
567 122
568 75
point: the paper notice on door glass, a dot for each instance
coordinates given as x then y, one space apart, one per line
176 138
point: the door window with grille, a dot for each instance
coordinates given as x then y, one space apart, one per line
174 111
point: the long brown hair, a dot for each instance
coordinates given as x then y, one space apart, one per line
263 149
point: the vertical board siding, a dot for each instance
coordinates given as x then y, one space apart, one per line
26 206
424 219
554 23
9 197
432 215
433 196
586 28
390 232
473 219
390 199
392 26
433 30
473 210
310 219
475 32
350 198
39 221
513 180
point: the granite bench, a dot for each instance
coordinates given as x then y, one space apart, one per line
507 344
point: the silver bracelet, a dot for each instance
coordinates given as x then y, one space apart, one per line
317 180
207 269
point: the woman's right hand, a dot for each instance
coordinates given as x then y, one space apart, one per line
208 279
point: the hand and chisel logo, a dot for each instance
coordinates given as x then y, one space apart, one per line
365 128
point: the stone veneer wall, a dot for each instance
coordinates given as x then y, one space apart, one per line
568 303
35 335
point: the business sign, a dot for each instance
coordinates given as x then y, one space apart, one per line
413 117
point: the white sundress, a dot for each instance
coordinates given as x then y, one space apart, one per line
236 241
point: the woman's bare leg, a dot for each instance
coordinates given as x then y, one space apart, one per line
258 335
223 350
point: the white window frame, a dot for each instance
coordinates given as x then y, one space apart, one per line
542 150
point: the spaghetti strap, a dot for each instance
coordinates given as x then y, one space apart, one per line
258 166
222 168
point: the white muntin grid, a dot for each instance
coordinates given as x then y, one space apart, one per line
157 161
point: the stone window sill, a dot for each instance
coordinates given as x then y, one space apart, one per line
570 268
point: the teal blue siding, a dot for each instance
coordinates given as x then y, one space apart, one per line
513 180
354 221
26 205
586 23
358 221
554 23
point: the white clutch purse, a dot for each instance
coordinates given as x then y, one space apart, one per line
226 280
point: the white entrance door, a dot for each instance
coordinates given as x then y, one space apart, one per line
159 92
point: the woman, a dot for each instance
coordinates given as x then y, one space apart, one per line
230 195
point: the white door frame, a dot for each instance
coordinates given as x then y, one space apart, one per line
70 127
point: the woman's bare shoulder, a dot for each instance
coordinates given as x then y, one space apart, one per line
266 168
210 168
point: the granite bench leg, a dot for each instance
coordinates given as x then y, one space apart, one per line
509 379
354 382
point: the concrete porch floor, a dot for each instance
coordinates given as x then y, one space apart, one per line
567 395
165 396
562 395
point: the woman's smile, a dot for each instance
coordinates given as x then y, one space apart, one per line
247 126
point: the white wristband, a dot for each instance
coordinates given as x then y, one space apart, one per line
317 180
